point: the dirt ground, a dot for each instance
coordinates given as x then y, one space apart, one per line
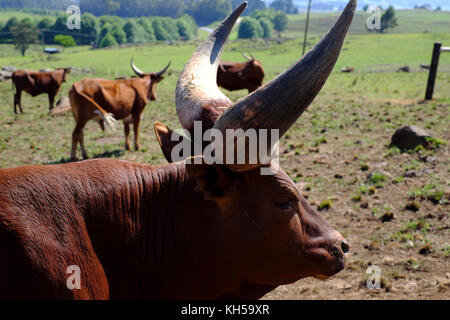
411 249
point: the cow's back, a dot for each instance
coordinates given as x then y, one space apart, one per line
42 233
36 83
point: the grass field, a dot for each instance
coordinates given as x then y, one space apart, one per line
329 152
409 21
6 14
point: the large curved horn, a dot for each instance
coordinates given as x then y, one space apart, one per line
197 85
251 55
160 73
136 70
279 103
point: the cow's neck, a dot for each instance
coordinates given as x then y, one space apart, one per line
162 238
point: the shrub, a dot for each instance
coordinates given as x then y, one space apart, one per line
249 28
267 27
107 41
65 41
280 21
119 34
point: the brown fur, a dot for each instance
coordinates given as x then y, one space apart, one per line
36 83
125 99
236 75
143 232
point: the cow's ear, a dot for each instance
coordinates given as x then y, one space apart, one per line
164 134
216 182
155 78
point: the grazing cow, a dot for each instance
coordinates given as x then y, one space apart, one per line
236 75
106 100
180 230
347 69
36 83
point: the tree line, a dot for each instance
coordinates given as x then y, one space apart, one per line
203 11
262 24
104 31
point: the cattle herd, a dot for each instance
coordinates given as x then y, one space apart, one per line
183 230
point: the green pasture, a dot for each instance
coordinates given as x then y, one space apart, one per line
36 137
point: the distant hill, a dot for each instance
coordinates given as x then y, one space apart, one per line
329 5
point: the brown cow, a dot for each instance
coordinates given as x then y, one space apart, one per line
240 75
36 83
180 230
106 100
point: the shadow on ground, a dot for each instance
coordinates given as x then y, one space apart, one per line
107 154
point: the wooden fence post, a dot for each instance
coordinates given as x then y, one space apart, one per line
433 70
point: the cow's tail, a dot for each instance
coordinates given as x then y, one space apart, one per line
108 118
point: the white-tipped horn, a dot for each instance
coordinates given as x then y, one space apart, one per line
246 56
197 87
136 70
279 103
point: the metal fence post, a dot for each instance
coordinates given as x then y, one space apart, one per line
433 70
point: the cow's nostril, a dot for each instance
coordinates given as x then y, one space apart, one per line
345 247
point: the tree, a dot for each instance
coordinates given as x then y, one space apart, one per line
249 28
183 30
267 27
89 29
100 7
24 34
160 32
208 11
190 22
10 24
65 41
107 41
45 23
172 29
388 19
118 34
169 8
280 21
135 33
107 28
146 24
287 6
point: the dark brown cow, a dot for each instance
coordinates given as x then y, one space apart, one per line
181 230
36 83
240 75
109 100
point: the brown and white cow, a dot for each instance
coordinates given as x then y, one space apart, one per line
240 75
180 230
109 100
36 83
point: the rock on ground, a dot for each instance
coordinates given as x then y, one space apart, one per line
409 137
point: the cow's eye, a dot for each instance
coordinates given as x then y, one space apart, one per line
284 205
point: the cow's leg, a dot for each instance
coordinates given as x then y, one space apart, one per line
126 127
51 101
20 102
76 135
17 101
83 150
102 125
136 122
